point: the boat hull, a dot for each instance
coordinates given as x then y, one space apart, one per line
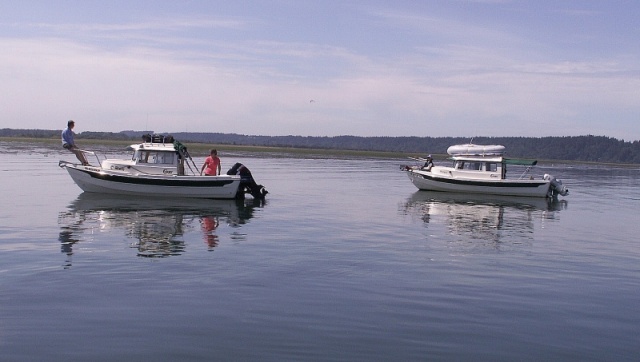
97 180
425 180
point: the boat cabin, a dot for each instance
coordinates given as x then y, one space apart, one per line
154 156
149 158
484 167
476 167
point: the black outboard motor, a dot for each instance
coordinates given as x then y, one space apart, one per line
247 183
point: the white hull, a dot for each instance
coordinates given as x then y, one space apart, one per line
96 180
425 180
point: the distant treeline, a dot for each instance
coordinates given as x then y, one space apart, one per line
574 148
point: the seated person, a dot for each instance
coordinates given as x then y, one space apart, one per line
428 164
69 144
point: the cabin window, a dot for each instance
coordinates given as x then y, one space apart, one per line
143 157
472 166
163 158
491 167
475 166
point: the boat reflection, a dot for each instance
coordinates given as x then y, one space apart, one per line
156 225
482 217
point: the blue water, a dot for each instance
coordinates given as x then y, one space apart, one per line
345 260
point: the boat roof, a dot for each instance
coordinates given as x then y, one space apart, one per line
166 147
520 161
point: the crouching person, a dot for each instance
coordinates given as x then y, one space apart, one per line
247 183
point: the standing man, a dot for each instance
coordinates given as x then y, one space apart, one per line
69 143
211 166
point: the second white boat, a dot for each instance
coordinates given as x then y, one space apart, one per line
482 169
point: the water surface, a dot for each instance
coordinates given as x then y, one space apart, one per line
345 260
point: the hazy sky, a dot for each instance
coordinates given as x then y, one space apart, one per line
324 68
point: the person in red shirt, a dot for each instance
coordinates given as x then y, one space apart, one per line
211 166
209 226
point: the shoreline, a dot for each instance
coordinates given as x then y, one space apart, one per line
202 149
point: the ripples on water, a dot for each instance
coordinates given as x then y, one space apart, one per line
345 260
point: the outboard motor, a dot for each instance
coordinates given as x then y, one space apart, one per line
247 183
556 186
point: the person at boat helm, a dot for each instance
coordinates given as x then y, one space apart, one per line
428 164
211 166
69 143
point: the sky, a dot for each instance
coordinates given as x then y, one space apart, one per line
445 68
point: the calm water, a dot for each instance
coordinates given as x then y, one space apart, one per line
344 261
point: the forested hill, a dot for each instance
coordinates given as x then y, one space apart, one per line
574 148
580 148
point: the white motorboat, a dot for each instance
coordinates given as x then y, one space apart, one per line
157 168
482 169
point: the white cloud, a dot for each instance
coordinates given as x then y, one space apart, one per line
262 86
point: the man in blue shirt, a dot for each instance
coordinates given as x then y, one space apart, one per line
68 143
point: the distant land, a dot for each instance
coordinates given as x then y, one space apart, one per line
571 148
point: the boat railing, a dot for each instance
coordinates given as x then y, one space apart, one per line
526 171
91 153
